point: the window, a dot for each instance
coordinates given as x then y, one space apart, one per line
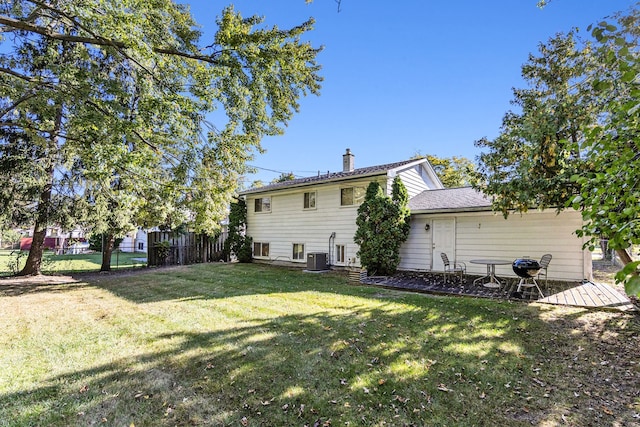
340 254
263 204
298 251
260 249
351 196
310 200
140 246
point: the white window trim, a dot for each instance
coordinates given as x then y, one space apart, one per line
355 203
293 252
315 200
262 211
260 256
343 261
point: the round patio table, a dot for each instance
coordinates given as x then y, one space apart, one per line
494 281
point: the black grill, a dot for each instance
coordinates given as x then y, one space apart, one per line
526 268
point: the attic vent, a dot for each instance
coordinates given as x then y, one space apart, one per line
347 161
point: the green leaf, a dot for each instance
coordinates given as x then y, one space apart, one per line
632 286
629 76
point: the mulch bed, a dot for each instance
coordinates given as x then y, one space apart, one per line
435 283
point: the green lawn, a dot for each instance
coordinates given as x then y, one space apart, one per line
251 345
69 263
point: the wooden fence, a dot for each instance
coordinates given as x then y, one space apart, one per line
182 249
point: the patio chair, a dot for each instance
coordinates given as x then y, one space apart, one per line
544 264
452 269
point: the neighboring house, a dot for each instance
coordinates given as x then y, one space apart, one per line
135 241
55 239
292 219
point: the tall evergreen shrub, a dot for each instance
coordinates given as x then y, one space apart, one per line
238 243
383 225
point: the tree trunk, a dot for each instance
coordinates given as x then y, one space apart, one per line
107 250
624 256
34 260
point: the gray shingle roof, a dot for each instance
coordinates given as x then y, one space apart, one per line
457 199
333 176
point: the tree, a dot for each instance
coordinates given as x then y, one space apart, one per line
238 243
609 195
574 141
284 177
10 237
383 225
105 101
452 171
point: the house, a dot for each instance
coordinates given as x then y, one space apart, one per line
135 241
56 238
460 222
292 219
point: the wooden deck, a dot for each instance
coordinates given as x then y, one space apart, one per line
591 295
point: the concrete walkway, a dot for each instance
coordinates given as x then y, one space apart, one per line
586 294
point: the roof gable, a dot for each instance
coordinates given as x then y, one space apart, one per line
390 169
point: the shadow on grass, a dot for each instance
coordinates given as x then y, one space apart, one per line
214 281
411 360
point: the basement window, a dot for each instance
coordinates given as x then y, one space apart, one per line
260 250
340 254
298 251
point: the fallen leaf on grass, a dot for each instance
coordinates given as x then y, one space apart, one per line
244 421
401 399
537 381
607 410
443 387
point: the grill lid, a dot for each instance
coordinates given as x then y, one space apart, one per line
526 267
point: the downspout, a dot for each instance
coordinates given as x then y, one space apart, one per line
331 237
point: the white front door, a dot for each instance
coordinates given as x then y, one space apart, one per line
444 239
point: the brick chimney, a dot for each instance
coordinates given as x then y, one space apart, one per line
347 161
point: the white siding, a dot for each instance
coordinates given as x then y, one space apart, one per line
413 181
289 223
416 179
488 235
415 253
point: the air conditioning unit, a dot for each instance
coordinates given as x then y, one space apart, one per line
317 261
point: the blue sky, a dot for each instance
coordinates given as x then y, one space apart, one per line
406 77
